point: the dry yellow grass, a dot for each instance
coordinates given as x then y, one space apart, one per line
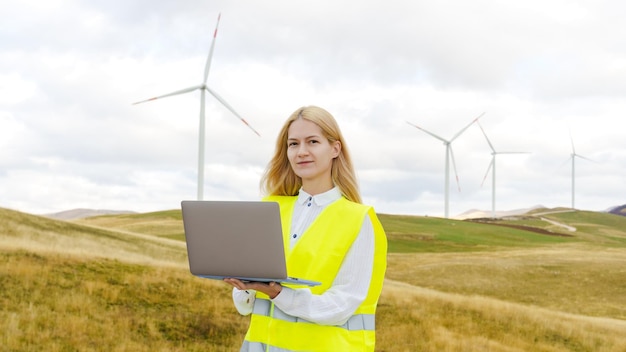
59 302
430 320
574 278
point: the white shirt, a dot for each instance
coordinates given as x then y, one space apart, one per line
337 304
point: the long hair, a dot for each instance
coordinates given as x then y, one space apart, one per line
280 179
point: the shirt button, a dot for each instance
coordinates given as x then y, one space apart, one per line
295 235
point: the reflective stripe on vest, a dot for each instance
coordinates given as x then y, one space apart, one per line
260 347
356 322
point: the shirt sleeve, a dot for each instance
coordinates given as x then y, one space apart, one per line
243 300
337 304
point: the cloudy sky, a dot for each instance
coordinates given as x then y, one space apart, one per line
540 70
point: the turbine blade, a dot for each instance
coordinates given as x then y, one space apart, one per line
182 91
207 66
487 138
432 134
456 175
466 127
231 109
493 159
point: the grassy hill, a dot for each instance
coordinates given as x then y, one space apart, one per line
121 283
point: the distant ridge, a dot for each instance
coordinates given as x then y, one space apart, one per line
618 210
478 214
81 213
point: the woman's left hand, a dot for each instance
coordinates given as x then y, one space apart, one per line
272 289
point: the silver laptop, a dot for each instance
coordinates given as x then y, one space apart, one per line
238 239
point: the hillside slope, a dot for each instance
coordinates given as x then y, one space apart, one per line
121 283
42 234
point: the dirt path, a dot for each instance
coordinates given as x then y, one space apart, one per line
559 224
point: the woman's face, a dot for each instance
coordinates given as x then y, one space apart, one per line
311 155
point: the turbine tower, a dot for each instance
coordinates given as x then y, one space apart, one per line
203 87
449 155
492 167
573 157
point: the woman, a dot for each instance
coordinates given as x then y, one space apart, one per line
329 237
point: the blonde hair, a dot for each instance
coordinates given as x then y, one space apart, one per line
279 178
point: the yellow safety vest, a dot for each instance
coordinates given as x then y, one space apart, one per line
330 236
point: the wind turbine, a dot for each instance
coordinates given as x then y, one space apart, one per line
573 157
203 89
492 167
449 154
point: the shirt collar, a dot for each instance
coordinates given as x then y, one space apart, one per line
320 199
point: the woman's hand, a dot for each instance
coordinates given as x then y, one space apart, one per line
272 289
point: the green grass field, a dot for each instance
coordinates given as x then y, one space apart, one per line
121 283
